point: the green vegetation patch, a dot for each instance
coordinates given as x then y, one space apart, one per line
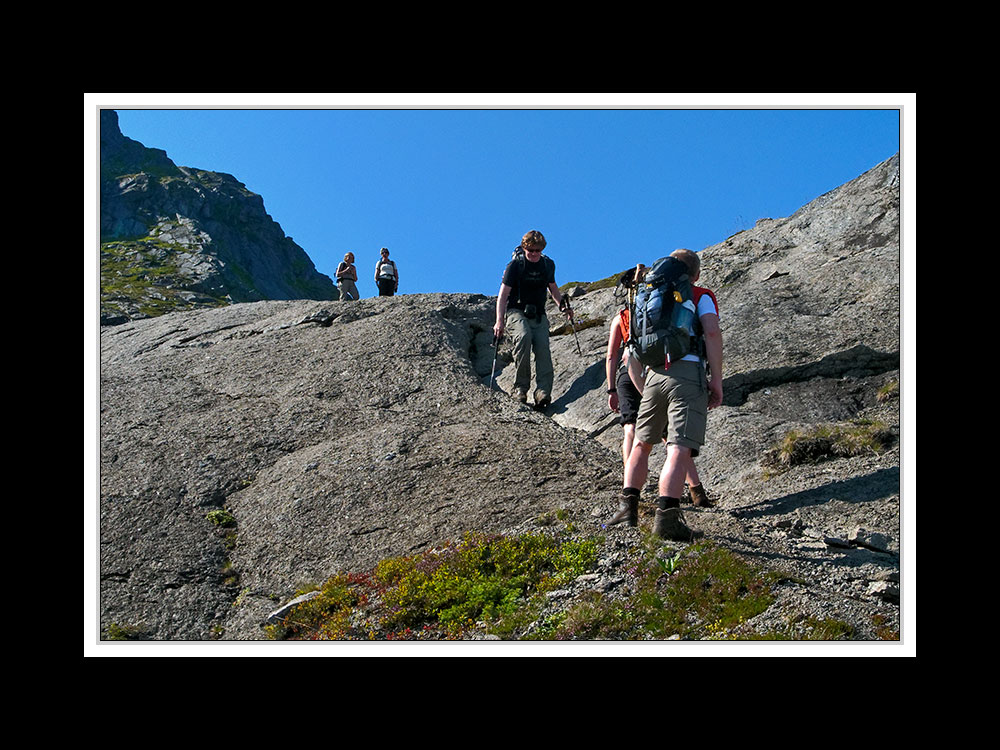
888 392
828 441
443 592
116 632
145 274
697 594
221 517
499 583
329 616
609 282
583 322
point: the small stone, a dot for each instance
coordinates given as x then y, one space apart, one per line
280 613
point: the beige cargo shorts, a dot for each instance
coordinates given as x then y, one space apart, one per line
674 406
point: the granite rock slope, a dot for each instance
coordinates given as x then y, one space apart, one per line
252 448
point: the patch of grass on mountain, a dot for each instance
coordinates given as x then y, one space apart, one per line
827 441
582 321
609 282
703 593
442 593
145 274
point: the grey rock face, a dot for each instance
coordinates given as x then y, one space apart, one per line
336 434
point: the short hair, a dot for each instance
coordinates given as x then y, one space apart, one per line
690 258
534 238
384 250
349 258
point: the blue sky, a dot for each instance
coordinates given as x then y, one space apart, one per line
451 191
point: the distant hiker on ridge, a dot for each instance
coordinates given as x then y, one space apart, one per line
521 308
347 276
626 379
386 275
676 397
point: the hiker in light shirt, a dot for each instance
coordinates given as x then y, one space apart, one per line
386 275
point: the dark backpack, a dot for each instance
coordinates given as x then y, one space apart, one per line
518 255
663 319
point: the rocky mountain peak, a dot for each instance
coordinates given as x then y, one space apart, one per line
184 238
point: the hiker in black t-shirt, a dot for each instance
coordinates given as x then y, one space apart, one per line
386 275
521 309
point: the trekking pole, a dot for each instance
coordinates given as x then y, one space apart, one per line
496 348
569 314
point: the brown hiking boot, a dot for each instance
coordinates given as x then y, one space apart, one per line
700 498
669 525
628 511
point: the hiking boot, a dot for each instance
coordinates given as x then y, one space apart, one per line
628 511
521 396
699 498
669 525
542 400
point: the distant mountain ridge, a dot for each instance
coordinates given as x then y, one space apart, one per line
182 238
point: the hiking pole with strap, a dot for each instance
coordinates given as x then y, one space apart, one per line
631 299
496 348
572 322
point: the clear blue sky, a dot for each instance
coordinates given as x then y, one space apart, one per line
451 191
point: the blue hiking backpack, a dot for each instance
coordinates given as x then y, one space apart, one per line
663 315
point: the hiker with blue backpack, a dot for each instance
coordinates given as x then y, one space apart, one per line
626 379
527 279
674 332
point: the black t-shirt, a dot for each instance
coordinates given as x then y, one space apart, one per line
530 286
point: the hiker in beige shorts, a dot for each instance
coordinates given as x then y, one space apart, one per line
626 377
674 408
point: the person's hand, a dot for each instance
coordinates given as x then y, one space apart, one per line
497 331
613 402
714 393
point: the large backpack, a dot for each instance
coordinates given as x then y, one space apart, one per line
662 326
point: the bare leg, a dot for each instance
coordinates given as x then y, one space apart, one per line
675 469
627 441
637 466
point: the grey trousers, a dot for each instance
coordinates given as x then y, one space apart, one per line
530 334
348 290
